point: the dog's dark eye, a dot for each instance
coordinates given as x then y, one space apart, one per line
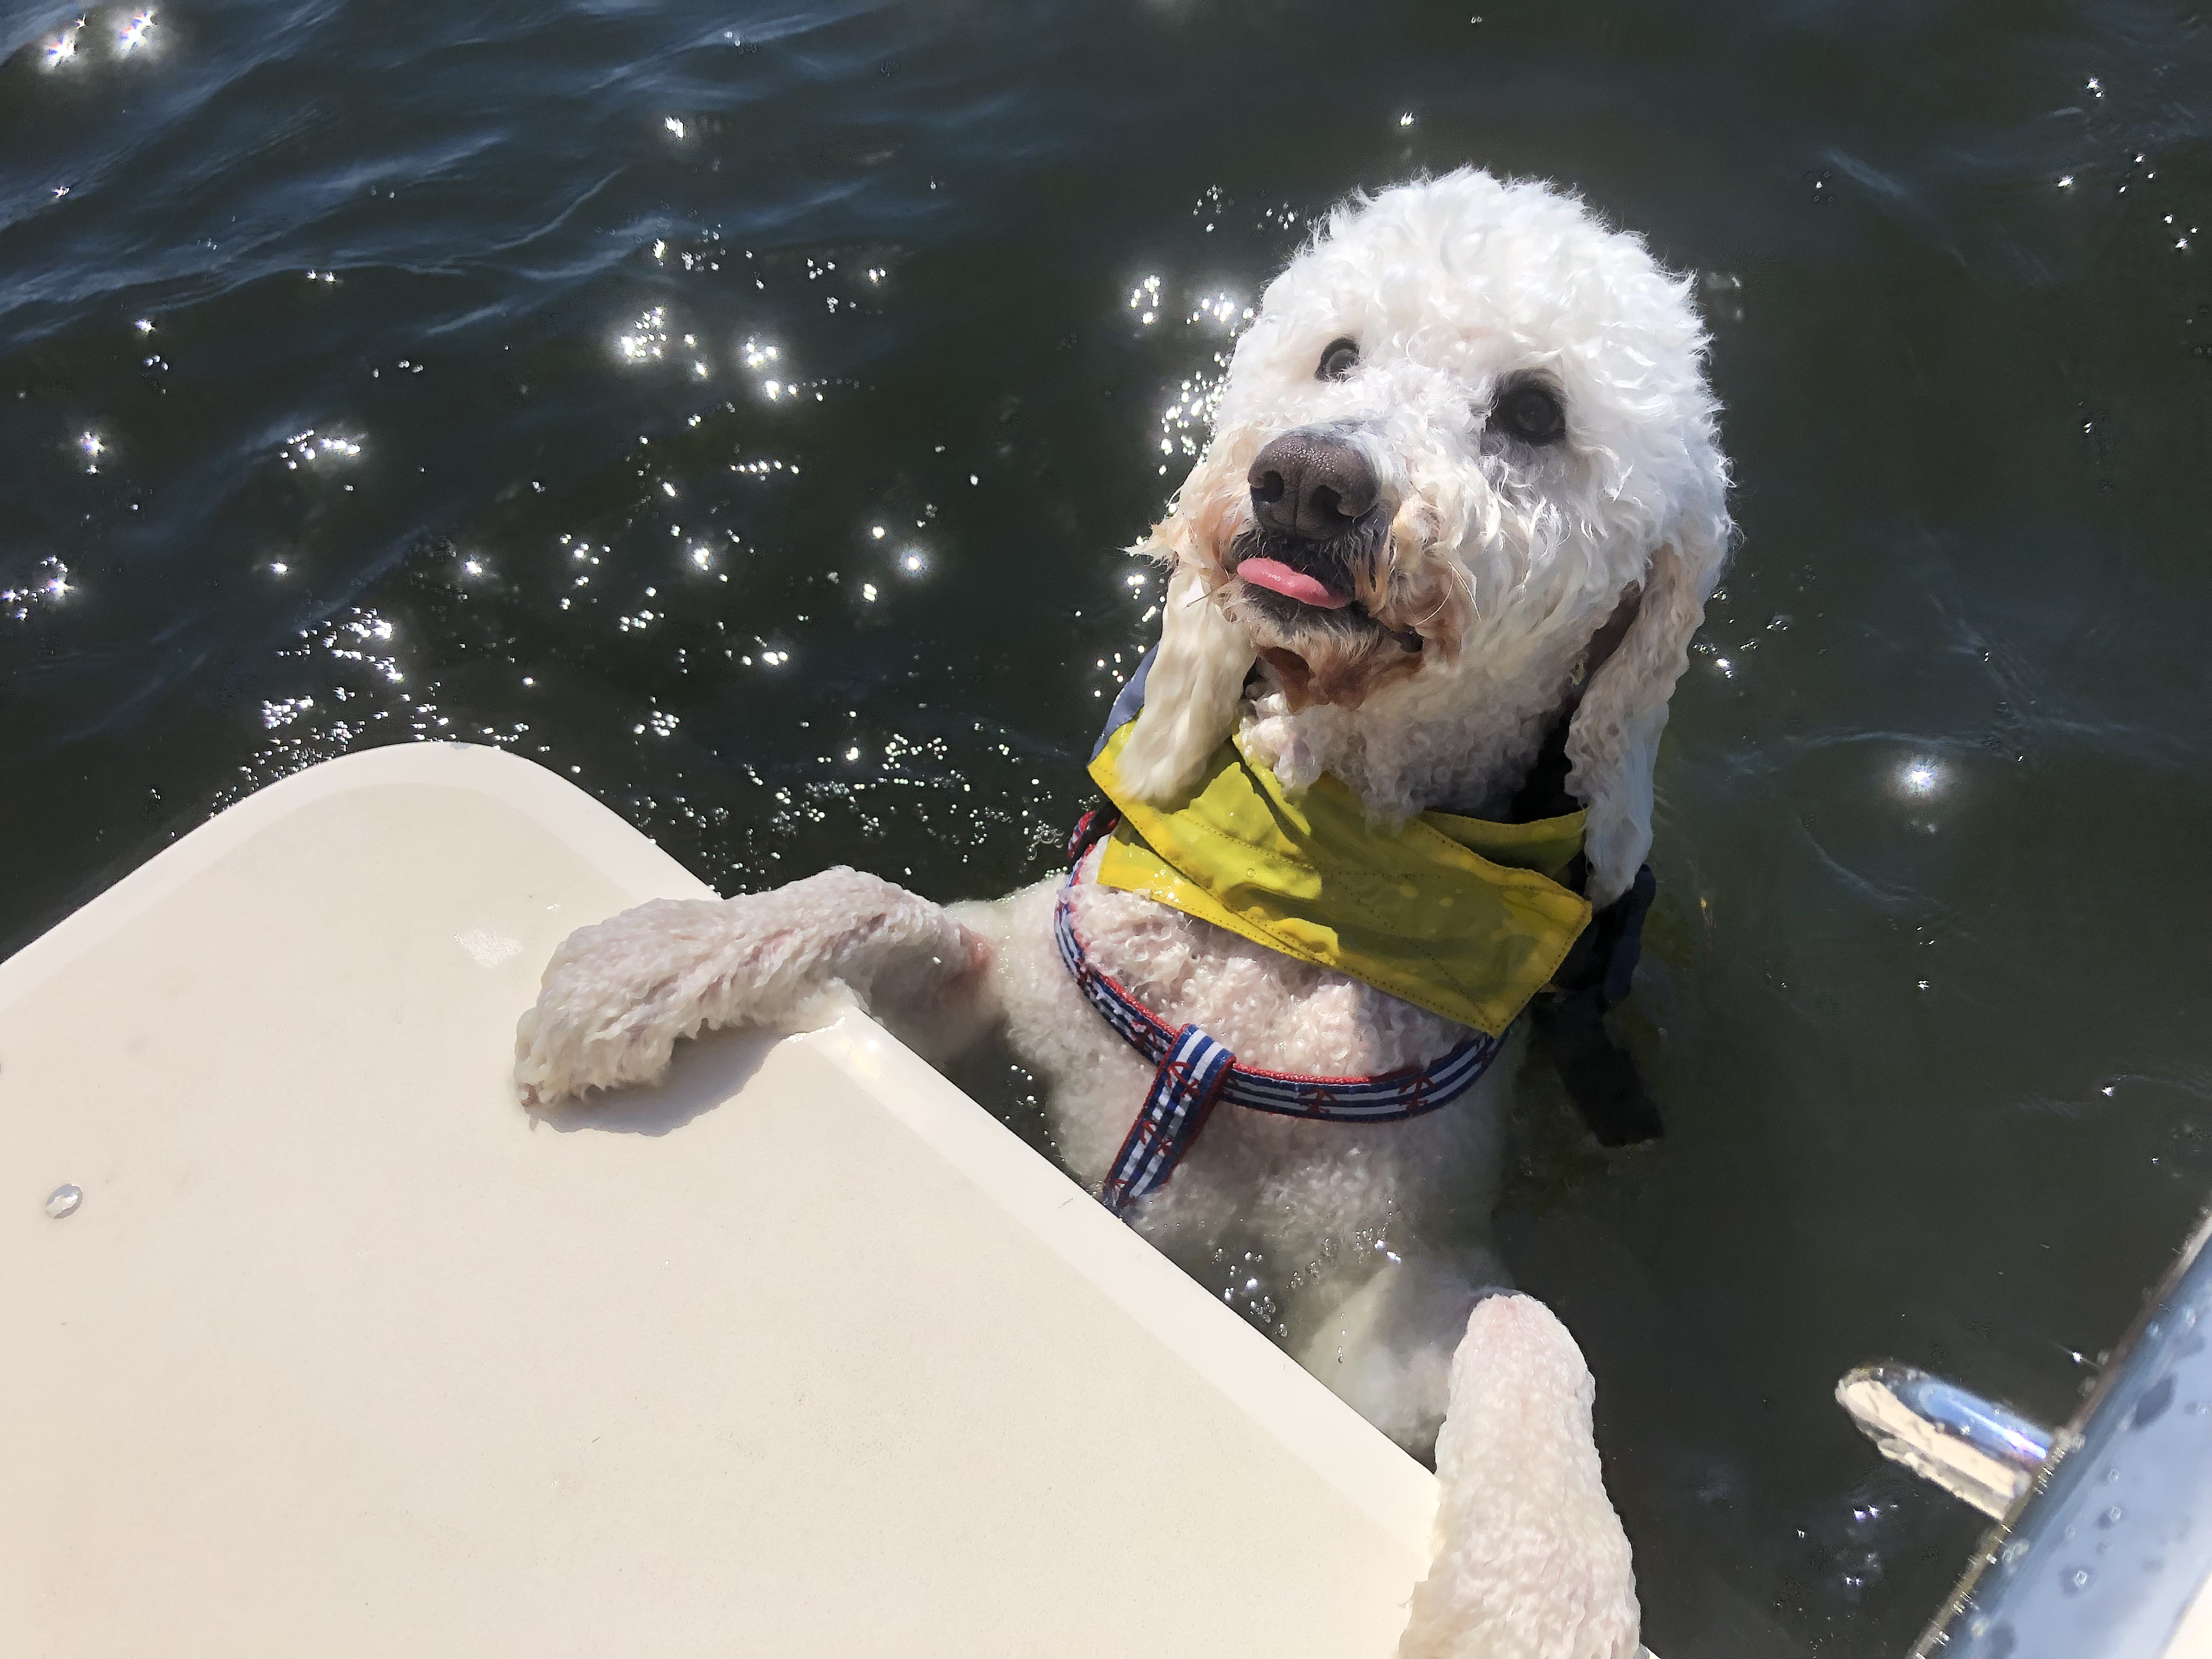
1532 413
1339 361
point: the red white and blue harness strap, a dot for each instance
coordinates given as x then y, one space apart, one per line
1194 1071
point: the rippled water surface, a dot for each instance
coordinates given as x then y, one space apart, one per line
737 409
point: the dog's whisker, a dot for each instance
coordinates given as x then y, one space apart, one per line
1435 611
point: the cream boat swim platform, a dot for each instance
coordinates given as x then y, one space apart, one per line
803 1353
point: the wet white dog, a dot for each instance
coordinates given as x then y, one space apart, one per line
1465 443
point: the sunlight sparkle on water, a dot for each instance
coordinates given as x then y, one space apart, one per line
304 448
132 35
1920 778
647 339
1222 308
62 47
52 583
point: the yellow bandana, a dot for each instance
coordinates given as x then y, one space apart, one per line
1457 915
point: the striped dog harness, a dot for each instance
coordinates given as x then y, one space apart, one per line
1193 1072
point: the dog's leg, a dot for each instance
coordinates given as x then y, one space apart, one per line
1386 1350
1427 1187
617 995
1530 1561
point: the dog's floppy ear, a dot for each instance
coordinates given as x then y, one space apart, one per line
1615 737
1190 695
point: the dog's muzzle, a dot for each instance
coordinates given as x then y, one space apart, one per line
1311 484
1318 528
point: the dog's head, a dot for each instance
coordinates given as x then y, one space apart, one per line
1469 421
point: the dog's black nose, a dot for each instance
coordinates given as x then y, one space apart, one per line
1311 483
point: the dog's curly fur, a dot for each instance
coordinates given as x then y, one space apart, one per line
1500 560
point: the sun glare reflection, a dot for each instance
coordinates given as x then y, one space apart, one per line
648 338
306 448
1920 778
757 354
1222 309
131 33
62 47
49 583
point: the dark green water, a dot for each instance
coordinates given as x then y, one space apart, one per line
1925 998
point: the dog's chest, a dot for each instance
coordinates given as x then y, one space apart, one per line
1272 1010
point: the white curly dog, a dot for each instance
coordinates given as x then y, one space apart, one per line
1467 437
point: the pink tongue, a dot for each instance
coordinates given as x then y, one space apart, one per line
1278 577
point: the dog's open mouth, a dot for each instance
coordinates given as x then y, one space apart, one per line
1300 585
1292 583
1311 604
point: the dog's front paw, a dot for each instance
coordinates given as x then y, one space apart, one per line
617 995
1531 1562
